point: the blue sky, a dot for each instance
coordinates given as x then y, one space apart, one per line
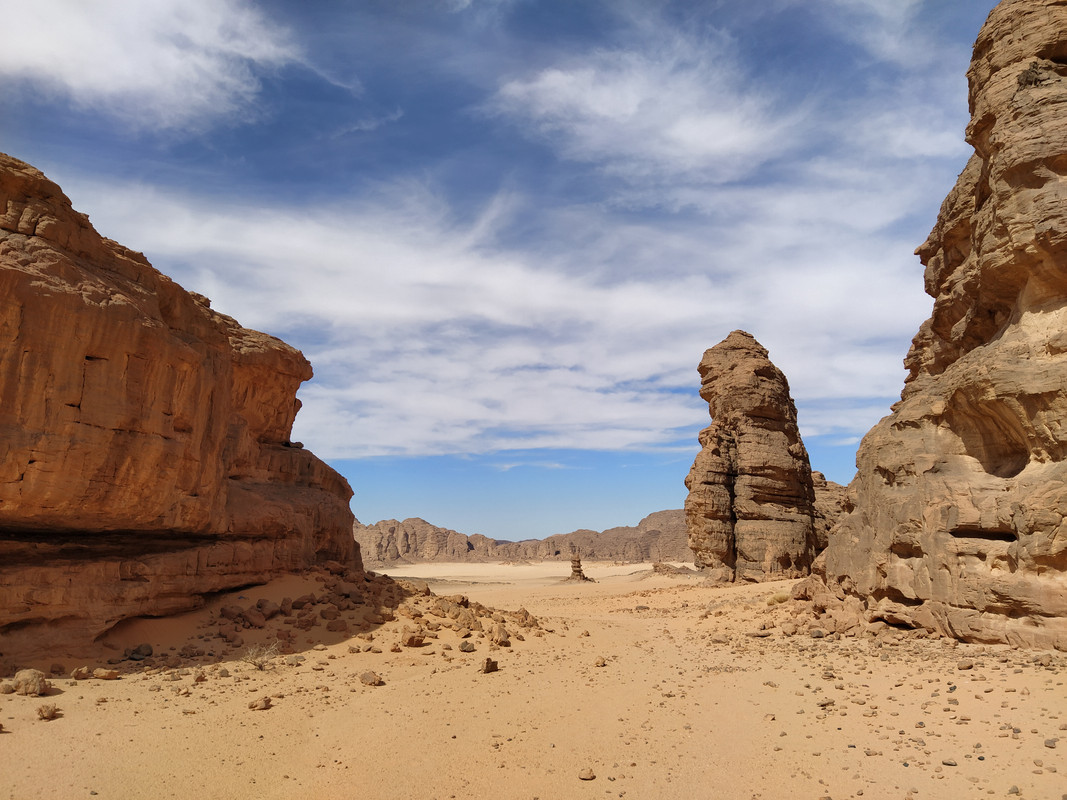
505 231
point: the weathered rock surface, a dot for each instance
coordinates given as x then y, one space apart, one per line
144 438
831 504
658 537
750 510
961 493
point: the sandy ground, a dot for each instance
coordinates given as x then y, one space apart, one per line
699 696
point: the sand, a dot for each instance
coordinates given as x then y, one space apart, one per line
699 696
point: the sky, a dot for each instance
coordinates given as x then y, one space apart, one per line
505 231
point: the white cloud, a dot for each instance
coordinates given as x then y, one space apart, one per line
161 64
672 106
427 338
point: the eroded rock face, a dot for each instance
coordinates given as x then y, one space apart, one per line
660 536
961 492
144 438
750 510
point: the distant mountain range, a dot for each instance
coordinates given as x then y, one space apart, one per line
660 536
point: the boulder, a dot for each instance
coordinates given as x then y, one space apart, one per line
750 510
145 454
960 518
31 682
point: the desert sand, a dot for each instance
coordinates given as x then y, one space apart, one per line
699 696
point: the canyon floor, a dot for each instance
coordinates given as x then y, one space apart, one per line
699 696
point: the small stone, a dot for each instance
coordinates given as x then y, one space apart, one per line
106 674
370 678
965 663
1051 743
601 662
262 704
488 666
949 762
466 647
586 775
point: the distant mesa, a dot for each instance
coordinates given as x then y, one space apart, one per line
658 537
145 454
960 522
752 512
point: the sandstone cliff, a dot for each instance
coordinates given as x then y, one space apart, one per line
144 438
658 537
750 510
961 493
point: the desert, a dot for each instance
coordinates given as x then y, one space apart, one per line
189 606
657 683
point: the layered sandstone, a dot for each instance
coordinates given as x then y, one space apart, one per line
144 438
660 536
750 510
961 493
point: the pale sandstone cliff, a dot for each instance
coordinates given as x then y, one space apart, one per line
750 510
961 493
144 438
658 537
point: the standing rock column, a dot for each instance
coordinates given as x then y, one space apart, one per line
750 506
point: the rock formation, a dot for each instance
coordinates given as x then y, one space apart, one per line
660 536
750 510
576 566
960 523
144 438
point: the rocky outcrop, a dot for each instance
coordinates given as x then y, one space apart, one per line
961 493
660 536
831 505
144 438
750 510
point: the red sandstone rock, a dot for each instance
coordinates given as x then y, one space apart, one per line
144 438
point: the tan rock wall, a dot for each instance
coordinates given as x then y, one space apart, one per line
141 432
961 493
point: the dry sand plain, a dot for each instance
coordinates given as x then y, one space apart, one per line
699 696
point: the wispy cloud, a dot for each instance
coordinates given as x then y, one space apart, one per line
170 64
671 105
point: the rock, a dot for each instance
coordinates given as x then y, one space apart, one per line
750 510
576 565
586 775
100 673
369 678
660 536
6 687
500 636
409 638
466 646
488 666
31 682
81 673
600 662
961 492
965 663
262 704
140 652
830 506
144 437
